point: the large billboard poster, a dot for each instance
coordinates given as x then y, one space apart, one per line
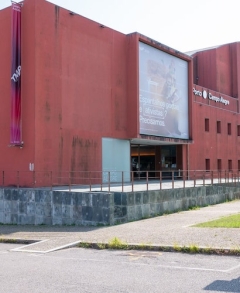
163 93
16 136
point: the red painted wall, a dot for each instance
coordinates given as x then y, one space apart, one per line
74 88
132 85
13 159
210 144
218 69
205 69
81 89
80 83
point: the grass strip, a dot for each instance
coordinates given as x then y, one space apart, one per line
117 244
232 221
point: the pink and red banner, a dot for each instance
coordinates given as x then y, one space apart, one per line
16 132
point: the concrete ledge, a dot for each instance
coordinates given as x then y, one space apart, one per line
41 207
165 248
133 206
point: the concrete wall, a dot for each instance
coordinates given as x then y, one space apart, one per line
41 207
138 205
37 207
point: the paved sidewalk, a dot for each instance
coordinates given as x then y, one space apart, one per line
168 230
143 185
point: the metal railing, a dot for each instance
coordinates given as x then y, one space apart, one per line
116 180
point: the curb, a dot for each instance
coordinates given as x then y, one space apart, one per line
17 241
191 249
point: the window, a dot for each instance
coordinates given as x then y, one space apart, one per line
219 164
229 128
238 130
206 124
229 165
218 126
238 165
207 163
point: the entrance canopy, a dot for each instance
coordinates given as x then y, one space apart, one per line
159 141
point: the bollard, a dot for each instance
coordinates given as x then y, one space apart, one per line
122 181
147 179
160 180
132 178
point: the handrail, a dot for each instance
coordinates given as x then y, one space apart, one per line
113 180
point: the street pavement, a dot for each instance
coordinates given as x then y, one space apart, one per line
116 271
175 230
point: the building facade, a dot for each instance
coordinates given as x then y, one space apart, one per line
215 98
96 100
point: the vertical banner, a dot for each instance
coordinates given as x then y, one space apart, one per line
16 135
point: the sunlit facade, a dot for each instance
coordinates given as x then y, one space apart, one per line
96 100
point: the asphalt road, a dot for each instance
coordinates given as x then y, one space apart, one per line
103 271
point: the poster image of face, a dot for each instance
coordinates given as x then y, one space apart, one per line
163 93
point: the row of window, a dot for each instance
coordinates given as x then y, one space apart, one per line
219 164
219 127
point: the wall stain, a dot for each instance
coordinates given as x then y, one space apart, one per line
60 160
119 110
83 154
47 111
60 117
56 17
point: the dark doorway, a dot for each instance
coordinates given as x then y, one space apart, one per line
165 158
143 160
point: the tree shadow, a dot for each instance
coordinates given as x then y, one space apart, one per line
9 229
232 286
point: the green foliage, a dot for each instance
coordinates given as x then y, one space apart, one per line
101 246
193 208
232 221
2 240
186 249
176 247
144 246
84 245
236 250
193 248
116 243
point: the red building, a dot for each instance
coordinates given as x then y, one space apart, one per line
216 120
96 100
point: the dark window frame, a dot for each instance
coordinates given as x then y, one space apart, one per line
207 124
219 127
238 130
207 164
229 129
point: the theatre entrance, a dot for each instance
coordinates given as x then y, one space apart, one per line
165 158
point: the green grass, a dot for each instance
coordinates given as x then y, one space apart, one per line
116 243
194 208
232 221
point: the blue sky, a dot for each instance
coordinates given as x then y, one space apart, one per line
184 25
